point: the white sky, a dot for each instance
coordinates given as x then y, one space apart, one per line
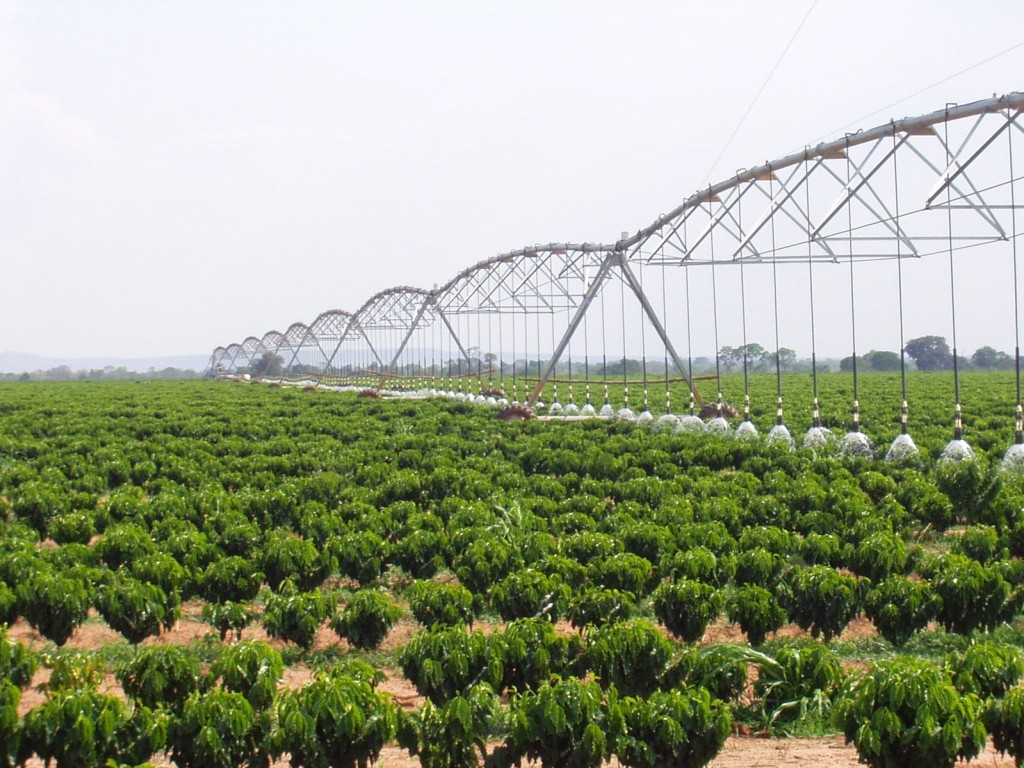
177 176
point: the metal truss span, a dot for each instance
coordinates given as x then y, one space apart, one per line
940 183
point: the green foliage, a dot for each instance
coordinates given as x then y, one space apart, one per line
420 553
532 651
629 655
160 676
54 605
295 616
906 713
972 595
217 729
757 611
683 727
878 556
367 619
440 603
446 662
898 607
700 564
1004 719
822 600
135 609
453 734
624 572
84 728
758 567
686 608
227 617
360 555
805 676
598 607
563 724
286 556
231 579
526 593
251 669
339 720
123 544
986 669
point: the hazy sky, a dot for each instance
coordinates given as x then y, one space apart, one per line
175 176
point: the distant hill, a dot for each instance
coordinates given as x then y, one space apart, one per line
21 362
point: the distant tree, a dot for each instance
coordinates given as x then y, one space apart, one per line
931 353
786 358
270 364
990 359
755 355
879 360
846 364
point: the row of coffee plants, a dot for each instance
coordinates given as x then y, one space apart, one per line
262 502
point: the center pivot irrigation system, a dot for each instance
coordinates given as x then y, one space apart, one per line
845 214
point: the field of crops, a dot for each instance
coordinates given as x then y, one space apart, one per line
215 574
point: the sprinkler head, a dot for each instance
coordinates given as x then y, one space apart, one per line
1013 459
903 449
717 426
588 411
856 444
645 418
571 410
957 451
746 431
607 411
665 424
625 414
690 423
779 435
817 437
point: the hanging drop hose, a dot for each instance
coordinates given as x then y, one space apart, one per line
554 400
604 350
904 414
958 426
586 358
746 366
664 322
515 360
568 320
775 310
714 312
816 413
643 332
622 317
855 424
689 343
1019 421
